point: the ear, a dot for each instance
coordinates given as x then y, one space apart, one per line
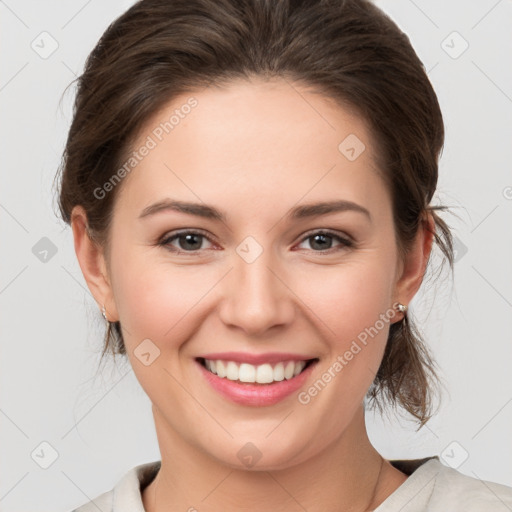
92 263
414 266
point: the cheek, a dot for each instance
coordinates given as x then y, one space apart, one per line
350 297
159 300
352 307
161 303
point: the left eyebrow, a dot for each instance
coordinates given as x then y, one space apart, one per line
210 212
198 209
316 209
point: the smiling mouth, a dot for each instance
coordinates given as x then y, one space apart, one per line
267 373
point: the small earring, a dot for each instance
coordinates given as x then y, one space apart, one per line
104 312
402 308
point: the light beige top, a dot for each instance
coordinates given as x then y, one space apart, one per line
430 487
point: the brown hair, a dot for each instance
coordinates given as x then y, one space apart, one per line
348 49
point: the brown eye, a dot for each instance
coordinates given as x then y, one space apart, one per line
323 241
187 241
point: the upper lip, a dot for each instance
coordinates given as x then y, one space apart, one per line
255 359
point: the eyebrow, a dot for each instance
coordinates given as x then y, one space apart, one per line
209 212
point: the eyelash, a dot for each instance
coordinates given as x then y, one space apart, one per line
165 242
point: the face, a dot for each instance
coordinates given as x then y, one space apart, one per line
252 274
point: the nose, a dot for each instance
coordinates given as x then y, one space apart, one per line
257 295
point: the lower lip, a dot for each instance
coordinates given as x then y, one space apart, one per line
258 395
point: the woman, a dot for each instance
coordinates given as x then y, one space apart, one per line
297 144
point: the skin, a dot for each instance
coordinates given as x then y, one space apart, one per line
254 150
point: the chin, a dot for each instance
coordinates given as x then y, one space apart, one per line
267 455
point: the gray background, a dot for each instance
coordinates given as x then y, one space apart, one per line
100 425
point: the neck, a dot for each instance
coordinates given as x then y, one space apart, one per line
347 475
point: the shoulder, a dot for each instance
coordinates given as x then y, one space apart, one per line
455 491
126 495
432 486
102 503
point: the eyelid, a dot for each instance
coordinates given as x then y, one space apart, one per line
184 231
331 232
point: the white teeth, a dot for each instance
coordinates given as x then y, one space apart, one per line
221 369
232 371
279 371
262 374
296 371
247 373
288 371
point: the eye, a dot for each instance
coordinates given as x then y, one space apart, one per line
323 241
191 241
188 241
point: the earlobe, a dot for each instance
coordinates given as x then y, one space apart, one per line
91 259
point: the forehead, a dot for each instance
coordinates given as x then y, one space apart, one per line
253 140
